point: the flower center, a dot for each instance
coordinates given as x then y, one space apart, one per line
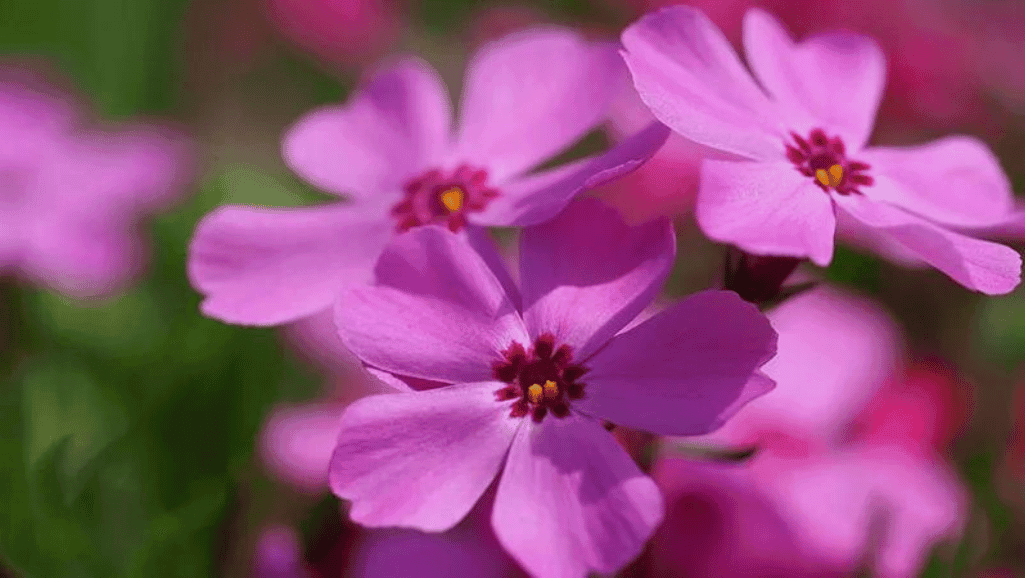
542 379
824 159
443 197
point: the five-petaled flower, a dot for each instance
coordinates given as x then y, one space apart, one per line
73 193
392 150
525 379
804 172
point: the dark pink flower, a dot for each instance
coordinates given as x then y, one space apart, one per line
337 30
802 129
849 483
535 373
72 194
279 555
391 148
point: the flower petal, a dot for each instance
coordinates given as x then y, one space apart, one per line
421 460
835 79
585 274
688 74
986 267
571 500
684 371
469 549
532 94
820 388
394 126
955 180
296 443
261 266
437 311
536 198
766 209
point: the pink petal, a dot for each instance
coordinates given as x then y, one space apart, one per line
832 81
688 74
571 500
766 209
835 351
684 371
955 180
538 197
395 126
82 260
436 312
720 524
586 274
980 265
469 549
829 505
927 504
296 443
532 94
124 174
279 555
421 460
261 266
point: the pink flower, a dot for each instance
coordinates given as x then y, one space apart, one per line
808 174
526 98
842 475
278 555
73 194
337 30
535 372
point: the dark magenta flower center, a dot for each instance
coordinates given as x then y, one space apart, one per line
824 159
542 379
443 197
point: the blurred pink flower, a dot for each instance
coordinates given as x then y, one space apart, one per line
807 173
338 30
279 555
848 468
73 194
469 549
569 499
527 97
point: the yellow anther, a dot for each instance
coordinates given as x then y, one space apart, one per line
551 390
830 178
452 199
534 393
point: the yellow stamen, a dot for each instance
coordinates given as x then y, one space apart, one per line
551 390
534 393
452 199
830 178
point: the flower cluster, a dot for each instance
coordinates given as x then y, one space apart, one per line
518 396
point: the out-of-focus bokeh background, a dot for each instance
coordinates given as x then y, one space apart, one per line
130 425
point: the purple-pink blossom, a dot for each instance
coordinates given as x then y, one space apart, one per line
392 150
844 475
802 128
526 376
73 193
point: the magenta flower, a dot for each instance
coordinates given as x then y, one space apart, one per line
73 194
391 148
849 450
802 130
532 385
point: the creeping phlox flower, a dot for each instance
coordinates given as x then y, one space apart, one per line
534 372
391 148
802 131
848 469
72 194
